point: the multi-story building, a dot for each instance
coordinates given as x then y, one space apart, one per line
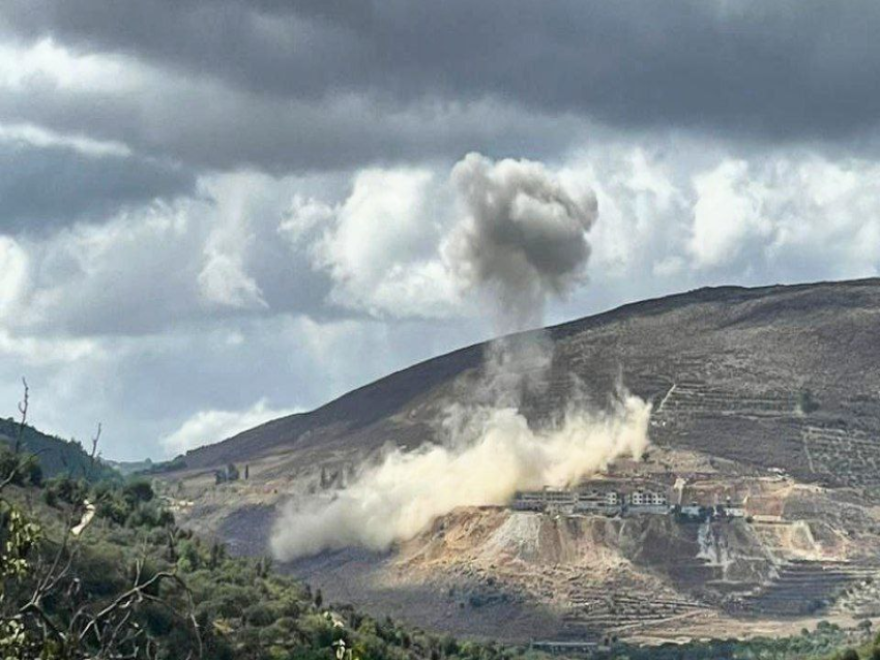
529 501
594 499
647 498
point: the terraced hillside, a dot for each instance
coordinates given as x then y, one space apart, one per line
520 575
778 376
768 395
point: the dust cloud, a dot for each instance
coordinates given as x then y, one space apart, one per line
409 490
521 242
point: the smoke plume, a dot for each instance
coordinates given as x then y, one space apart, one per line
522 239
407 491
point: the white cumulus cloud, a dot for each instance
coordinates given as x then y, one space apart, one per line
210 426
380 245
13 274
728 214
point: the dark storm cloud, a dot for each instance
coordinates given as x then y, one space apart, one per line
217 128
679 115
43 187
778 70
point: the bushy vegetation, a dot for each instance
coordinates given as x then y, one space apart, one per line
133 584
827 642
99 569
176 463
56 456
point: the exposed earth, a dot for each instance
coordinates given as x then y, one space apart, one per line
767 396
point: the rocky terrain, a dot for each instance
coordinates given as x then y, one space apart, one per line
808 553
768 395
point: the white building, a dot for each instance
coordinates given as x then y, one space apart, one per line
648 498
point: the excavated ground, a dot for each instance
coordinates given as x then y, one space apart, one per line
768 396
807 554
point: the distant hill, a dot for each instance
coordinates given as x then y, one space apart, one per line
57 456
782 376
769 396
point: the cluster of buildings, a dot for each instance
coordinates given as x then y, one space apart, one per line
592 499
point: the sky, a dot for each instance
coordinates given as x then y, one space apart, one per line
218 212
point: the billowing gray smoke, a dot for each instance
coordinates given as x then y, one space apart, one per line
522 239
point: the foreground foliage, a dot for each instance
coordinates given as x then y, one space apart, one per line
57 457
827 642
134 585
100 570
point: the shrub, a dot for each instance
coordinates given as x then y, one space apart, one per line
68 490
190 559
99 570
25 468
160 620
806 403
137 491
150 515
112 508
260 615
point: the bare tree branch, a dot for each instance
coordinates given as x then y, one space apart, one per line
15 469
93 454
23 411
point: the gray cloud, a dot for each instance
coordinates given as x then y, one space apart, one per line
50 186
158 267
779 70
211 127
726 143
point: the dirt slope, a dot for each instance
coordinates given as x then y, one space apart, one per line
782 376
771 394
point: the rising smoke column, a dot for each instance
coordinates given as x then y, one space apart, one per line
522 238
521 241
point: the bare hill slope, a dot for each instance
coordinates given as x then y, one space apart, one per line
783 376
767 397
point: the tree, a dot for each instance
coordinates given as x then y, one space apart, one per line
47 612
806 403
138 491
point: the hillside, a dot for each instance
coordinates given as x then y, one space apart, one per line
103 571
731 365
768 396
128 582
56 455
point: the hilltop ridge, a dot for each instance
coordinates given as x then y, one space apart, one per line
775 342
770 395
